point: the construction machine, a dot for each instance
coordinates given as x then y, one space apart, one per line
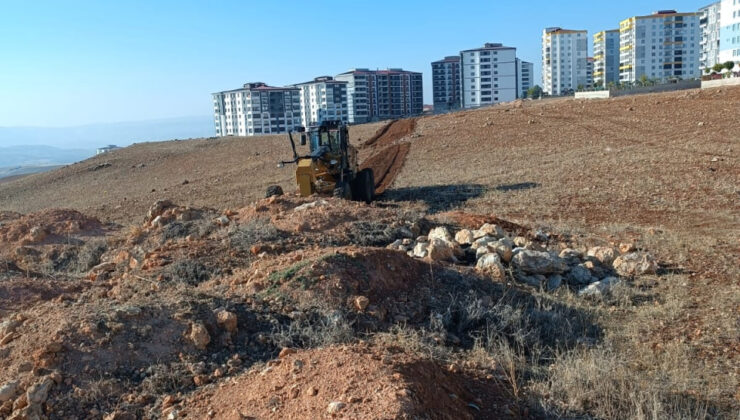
331 166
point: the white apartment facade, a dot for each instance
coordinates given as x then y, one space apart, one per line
564 60
446 83
323 99
729 31
662 46
709 25
488 75
256 109
606 57
525 75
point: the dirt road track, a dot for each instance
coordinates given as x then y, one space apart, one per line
388 155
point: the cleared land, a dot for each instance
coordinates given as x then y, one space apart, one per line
658 171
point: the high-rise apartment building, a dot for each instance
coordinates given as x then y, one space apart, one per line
564 60
323 99
446 83
374 95
663 46
589 72
525 76
729 31
606 57
709 25
488 75
256 109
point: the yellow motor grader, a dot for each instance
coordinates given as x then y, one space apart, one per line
331 167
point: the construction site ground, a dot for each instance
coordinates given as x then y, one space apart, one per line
107 308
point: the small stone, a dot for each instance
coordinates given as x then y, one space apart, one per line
626 247
605 254
227 320
222 220
600 287
285 351
199 335
520 242
8 391
491 264
361 303
312 391
420 250
635 264
335 407
37 393
571 256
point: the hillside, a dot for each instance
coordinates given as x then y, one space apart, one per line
539 259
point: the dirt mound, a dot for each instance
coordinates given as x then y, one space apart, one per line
362 381
391 133
386 165
385 155
48 225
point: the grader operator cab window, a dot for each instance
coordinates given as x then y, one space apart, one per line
329 139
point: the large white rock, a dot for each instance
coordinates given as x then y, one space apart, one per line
491 264
635 264
503 249
491 230
600 287
538 262
464 237
440 250
442 233
420 249
482 242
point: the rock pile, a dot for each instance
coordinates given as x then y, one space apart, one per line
495 252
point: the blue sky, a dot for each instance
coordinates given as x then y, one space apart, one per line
65 63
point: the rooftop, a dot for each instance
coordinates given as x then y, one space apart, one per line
491 46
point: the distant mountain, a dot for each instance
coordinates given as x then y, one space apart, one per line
96 135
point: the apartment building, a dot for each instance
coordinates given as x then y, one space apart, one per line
374 95
606 57
662 46
729 31
488 75
257 109
709 25
564 60
323 99
446 83
589 72
525 76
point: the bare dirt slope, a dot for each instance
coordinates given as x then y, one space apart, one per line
166 311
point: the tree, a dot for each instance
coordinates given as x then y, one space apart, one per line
718 67
643 80
729 65
534 92
707 70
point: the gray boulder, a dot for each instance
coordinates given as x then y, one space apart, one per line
538 262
